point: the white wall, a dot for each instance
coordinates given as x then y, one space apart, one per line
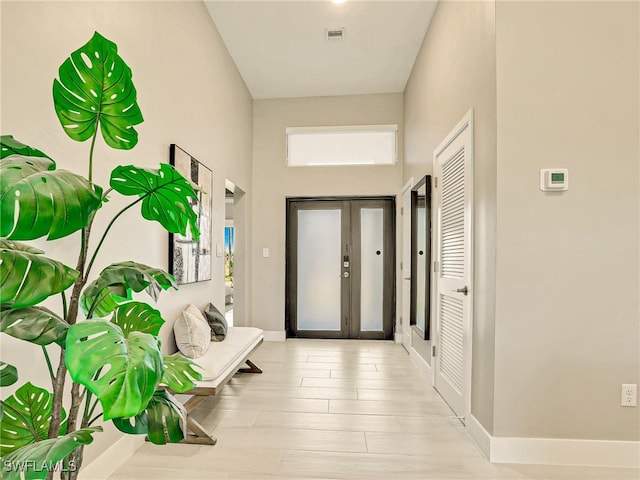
190 93
273 181
454 72
567 308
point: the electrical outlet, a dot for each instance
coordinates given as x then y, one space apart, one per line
629 395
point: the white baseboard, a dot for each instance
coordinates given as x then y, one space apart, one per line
422 365
275 335
554 451
479 435
110 460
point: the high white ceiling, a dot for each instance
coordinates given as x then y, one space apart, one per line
280 47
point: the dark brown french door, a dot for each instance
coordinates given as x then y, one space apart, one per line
340 267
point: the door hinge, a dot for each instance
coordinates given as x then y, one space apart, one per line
435 182
433 350
400 265
401 210
436 266
400 319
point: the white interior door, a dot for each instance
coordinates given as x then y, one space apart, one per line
406 266
452 245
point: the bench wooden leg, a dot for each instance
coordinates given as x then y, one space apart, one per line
253 368
199 435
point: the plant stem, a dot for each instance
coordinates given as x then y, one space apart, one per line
70 318
104 235
94 419
92 409
76 401
46 357
93 143
26 422
64 305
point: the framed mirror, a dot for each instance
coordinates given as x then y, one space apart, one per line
421 257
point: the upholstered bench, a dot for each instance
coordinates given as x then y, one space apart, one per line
220 362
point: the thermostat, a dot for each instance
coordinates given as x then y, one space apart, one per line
554 179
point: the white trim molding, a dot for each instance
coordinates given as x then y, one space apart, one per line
479 435
422 364
554 451
565 451
112 458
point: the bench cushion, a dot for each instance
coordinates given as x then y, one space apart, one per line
220 356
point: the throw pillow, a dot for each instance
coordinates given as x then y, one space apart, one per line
217 323
193 335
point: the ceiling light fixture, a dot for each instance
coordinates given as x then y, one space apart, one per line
338 1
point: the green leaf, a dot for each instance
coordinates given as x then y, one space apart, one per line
138 317
167 197
9 146
121 370
95 86
35 460
179 373
21 247
120 279
38 200
166 417
27 278
107 300
37 325
26 418
164 420
138 425
8 374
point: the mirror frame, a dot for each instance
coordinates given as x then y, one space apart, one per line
424 183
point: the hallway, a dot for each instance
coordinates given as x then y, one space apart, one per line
331 409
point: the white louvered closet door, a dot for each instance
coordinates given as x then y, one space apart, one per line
453 278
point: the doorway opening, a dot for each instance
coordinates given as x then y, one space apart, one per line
340 267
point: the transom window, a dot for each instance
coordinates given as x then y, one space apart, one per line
342 145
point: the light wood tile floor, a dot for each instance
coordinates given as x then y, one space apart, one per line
327 409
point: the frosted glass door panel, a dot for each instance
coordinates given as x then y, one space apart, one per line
319 270
372 268
421 220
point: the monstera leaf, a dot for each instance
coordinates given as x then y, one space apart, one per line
95 87
9 146
165 196
8 374
37 325
164 420
118 280
103 303
121 370
138 317
179 373
21 247
28 278
26 417
35 460
38 200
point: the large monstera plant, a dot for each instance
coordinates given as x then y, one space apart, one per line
112 352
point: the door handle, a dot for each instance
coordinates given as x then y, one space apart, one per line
464 290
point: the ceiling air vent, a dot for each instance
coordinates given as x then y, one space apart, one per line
331 34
